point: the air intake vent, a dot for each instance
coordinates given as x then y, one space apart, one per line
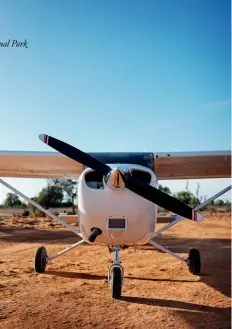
141 176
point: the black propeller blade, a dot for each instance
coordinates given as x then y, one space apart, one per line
75 154
144 190
158 197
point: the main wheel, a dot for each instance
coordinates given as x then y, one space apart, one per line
194 262
40 260
116 283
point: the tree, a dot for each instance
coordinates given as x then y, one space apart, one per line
227 204
50 196
53 194
219 203
70 188
12 201
164 189
196 199
184 196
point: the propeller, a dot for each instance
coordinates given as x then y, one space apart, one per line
144 190
75 154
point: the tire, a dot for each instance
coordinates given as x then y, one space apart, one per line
116 283
40 260
194 262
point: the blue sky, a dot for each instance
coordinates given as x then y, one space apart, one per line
116 76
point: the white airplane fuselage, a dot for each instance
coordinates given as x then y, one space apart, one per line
125 218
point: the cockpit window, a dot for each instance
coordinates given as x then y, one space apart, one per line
142 176
94 179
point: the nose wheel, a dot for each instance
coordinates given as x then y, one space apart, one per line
115 275
116 283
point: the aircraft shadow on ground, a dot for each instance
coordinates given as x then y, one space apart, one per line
176 304
215 253
195 314
215 258
76 275
88 276
34 235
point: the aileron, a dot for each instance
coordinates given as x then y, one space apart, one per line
38 165
192 165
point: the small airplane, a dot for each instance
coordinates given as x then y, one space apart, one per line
117 195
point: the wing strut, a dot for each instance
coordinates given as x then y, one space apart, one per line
38 206
200 206
178 219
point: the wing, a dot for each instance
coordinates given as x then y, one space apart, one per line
38 165
188 165
191 165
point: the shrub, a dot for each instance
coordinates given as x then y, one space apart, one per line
40 214
26 213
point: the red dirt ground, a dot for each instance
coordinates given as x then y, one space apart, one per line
158 292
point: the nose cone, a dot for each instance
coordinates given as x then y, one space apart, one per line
116 179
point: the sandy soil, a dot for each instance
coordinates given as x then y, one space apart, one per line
159 291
